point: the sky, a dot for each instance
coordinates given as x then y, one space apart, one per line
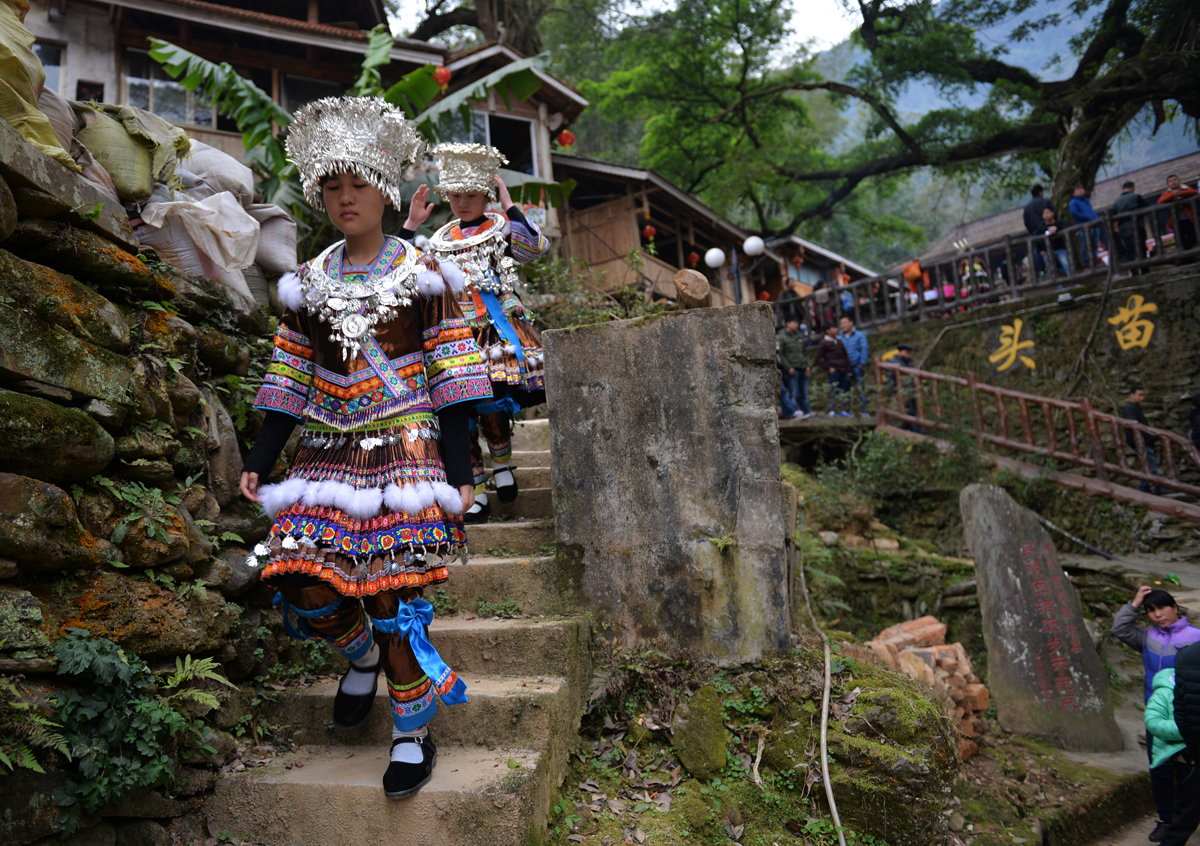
825 21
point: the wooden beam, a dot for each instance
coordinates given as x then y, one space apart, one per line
314 11
249 58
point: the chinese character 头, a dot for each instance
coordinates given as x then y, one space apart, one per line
1133 329
1010 345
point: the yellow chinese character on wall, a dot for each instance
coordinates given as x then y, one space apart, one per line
1137 330
1010 345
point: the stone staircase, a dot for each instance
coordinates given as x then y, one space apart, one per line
500 755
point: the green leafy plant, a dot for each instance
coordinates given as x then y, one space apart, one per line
124 726
89 211
23 731
443 603
147 506
507 608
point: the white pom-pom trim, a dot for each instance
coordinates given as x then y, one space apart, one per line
361 504
453 275
290 292
430 284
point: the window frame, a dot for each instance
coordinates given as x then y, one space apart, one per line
154 68
61 47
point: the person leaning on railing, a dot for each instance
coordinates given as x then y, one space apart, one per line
1130 232
1185 226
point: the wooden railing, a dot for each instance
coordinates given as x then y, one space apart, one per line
1008 269
1071 433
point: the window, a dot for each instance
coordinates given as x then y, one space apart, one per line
51 57
149 88
511 136
85 92
300 90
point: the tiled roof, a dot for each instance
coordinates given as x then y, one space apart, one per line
273 20
1150 182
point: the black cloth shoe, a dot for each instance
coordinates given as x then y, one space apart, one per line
350 712
1160 831
508 493
403 780
480 516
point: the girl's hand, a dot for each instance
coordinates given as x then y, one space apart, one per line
249 486
418 211
506 201
1136 602
467 492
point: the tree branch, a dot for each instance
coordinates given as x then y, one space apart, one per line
438 23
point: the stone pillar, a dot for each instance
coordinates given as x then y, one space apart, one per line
1044 673
672 520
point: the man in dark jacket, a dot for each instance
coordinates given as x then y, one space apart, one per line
1034 225
791 347
1133 411
1131 232
832 357
1187 719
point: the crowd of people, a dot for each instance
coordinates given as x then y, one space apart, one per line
842 352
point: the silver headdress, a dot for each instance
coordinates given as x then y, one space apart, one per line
366 136
467 167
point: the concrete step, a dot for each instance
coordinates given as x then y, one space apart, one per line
498 713
531 434
532 477
532 582
551 646
530 504
531 458
474 797
518 537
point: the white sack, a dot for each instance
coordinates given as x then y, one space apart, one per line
218 226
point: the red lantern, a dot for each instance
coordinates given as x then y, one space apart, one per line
567 139
649 232
797 261
441 76
693 258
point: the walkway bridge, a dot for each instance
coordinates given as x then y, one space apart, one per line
1090 446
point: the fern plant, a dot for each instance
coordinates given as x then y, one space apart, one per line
23 731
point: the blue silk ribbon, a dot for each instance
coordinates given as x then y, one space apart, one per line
410 621
500 321
304 632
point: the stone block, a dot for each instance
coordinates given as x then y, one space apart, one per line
47 441
1043 671
887 653
926 631
915 667
60 300
23 165
21 623
39 528
668 499
859 653
8 211
698 734
976 697
928 654
33 349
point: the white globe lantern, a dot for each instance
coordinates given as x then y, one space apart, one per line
714 257
754 246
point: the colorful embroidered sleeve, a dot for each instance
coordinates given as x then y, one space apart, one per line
454 368
527 241
290 374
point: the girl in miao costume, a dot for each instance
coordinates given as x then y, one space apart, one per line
376 360
485 249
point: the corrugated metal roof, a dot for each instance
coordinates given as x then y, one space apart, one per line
1150 182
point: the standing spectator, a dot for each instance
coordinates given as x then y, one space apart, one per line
1131 234
1082 212
1185 227
1187 720
905 385
1133 411
792 348
831 357
1167 634
1163 740
1032 216
856 348
1057 243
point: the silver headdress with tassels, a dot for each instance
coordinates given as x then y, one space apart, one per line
366 136
464 168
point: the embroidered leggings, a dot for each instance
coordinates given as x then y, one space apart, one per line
346 630
497 431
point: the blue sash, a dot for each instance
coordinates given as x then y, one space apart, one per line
500 321
410 621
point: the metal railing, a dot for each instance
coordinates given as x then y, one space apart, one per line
1069 432
1009 269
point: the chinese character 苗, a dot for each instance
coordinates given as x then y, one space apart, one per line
1137 330
1010 345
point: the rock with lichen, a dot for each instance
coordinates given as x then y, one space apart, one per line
699 735
39 528
47 441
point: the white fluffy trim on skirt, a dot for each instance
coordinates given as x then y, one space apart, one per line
360 504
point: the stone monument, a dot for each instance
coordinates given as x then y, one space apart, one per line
1044 673
672 521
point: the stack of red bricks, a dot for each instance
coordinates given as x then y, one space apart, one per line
919 649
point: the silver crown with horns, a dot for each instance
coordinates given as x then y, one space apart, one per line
366 136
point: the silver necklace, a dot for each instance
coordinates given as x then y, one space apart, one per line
353 310
480 257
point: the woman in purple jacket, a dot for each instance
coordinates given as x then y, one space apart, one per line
1167 634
